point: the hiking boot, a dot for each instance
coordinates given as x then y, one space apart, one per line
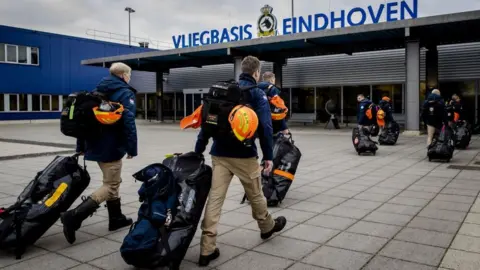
72 220
116 220
280 223
205 260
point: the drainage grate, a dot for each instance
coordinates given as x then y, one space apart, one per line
468 168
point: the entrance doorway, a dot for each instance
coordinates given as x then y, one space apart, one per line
192 99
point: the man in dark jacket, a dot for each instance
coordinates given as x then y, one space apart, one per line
231 157
386 106
268 85
433 113
108 150
363 105
457 106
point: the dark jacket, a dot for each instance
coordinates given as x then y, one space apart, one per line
233 148
387 108
120 138
458 108
362 107
433 113
280 125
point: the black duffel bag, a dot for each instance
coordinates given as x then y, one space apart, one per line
38 207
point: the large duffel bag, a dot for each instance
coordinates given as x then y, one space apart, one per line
389 135
286 157
362 141
442 146
195 179
462 135
38 207
158 243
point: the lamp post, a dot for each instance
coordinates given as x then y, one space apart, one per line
129 10
292 10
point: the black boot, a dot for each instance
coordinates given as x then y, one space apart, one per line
116 220
280 223
72 220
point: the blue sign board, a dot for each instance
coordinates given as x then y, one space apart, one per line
267 23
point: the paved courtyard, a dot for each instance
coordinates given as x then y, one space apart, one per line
394 210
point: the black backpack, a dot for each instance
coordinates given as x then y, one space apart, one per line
77 119
217 105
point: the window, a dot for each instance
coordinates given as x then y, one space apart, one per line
55 103
2 52
2 102
350 98
46 103
23 102
22 54
18 54
325 94
35 103
13 102
12 53
34 56
393 91
303 100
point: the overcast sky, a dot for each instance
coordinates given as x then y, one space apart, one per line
160 19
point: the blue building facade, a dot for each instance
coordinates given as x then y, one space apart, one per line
38 70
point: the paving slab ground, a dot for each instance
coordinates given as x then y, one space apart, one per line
392 211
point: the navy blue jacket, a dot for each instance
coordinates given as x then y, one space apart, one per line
362 119
120 138
279 125
433 113
387 108
232 147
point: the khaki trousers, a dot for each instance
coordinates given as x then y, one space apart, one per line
249 172
111 182
430 134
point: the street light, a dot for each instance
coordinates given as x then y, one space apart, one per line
129 10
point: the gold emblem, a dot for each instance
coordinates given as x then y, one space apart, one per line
267 22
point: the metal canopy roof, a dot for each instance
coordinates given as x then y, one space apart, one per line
436 30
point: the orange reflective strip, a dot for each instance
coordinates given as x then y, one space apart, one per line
284 174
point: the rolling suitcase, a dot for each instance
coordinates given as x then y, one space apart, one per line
442 146
286 157
38 207
362 141
389 135
462 135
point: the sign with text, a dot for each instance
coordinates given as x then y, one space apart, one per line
267 23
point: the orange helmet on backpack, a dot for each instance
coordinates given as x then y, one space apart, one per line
278 108
194 120
108 113
244 122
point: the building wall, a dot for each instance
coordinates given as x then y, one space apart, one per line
59 71
456 62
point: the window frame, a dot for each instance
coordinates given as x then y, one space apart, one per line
41 103
29 55
4 53
9 100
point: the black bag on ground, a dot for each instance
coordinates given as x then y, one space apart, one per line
195 179
389 135
183 183
38 207
286 157
77 118
362 141
463 135
442 146
217 105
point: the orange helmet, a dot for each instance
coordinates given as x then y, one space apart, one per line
381 118
108 112
194 120
244 122
279 112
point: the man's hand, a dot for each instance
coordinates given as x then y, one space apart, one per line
267 167
286 132
80 153
129 157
